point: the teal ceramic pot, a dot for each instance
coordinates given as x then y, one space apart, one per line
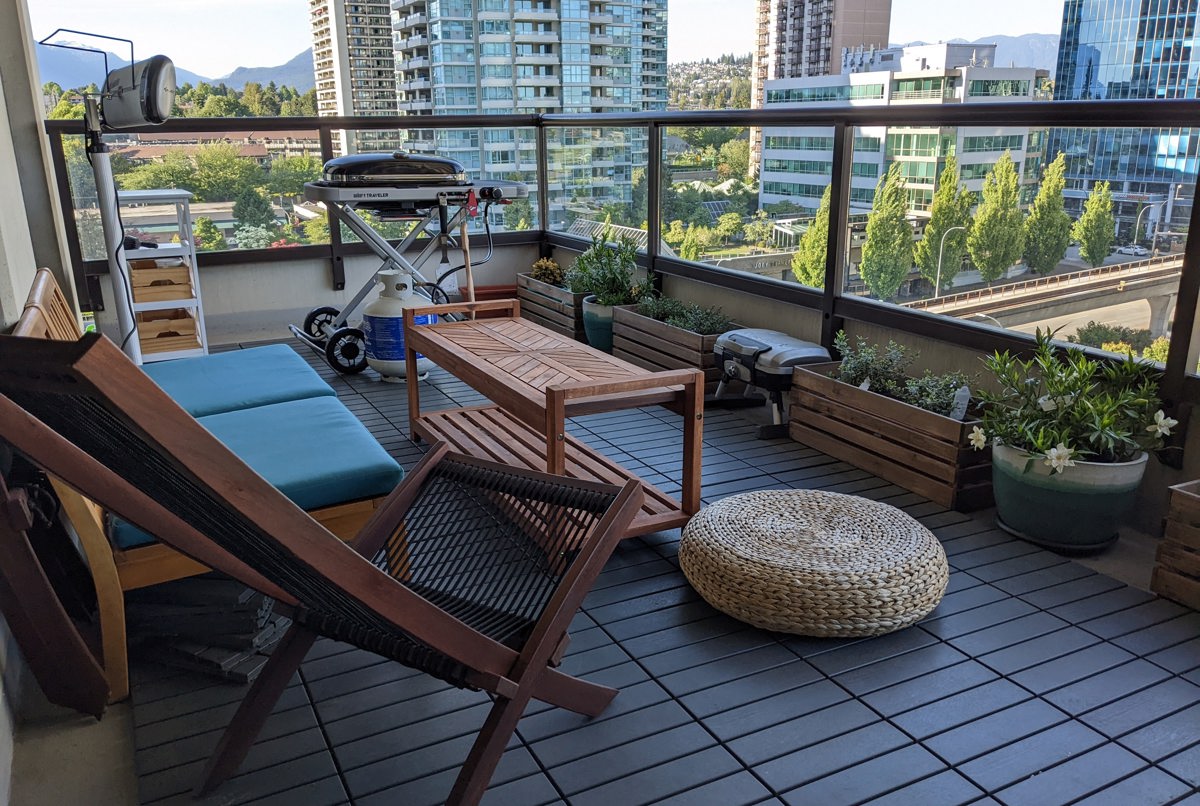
597 324
1077 510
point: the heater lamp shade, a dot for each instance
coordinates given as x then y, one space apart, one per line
137 95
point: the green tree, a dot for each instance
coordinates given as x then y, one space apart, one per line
674 233
728 225
760 229
175 170
997 237
518 214
690 248
287 175
887 253
1048 227
808 264
733 159
316 230
1157 350
1095 229
69 107
222 106
253 237
951 208
221 174
252 209
209 237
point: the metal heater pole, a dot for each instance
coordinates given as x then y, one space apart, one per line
114 235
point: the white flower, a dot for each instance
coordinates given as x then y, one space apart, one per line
1059 457
1162 425
978 438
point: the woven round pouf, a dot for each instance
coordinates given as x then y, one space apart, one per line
814 563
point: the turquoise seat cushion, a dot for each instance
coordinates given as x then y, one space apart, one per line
314 451
238 379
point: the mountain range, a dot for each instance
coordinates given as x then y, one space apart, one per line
73 68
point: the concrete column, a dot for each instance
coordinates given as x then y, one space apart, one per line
1161 310
28 177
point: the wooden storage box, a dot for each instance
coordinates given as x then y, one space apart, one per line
656 345
552 307
918 450
160 280
1177 574
167 331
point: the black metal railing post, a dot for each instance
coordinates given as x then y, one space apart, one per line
836 247
654 174
543 183
337 258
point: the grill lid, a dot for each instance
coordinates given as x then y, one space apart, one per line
397 169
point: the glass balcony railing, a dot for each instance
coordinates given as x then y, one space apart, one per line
960 224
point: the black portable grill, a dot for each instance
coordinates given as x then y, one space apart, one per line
764 359
392 185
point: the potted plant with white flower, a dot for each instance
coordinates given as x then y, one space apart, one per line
1070 439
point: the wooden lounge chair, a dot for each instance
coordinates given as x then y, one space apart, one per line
470 571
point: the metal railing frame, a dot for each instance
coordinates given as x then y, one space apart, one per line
832 305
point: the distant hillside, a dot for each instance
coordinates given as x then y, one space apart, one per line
297 73
1026 50
73 68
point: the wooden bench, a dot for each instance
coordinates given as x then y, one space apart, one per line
537 379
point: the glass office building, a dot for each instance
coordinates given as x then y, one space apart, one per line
1123 49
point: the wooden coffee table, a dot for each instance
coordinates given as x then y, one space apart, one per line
537 379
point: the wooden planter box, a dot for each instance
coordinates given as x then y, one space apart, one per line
1177 574
916 449
656 345
551 306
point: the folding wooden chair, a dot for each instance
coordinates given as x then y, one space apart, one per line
470 571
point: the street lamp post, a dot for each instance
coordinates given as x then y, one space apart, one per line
1137 223
937 284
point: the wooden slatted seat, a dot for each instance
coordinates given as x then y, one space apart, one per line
488 432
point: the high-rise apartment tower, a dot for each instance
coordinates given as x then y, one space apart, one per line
1114 49
802 38
355 67
458 57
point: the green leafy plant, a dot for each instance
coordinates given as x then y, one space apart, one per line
1062 405
546 270
887 369
1097 334
935 393
685 315
607 272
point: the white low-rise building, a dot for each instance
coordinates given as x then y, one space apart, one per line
797 162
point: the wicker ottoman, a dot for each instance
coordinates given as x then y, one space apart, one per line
814 563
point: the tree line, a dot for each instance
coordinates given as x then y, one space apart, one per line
992 230
204 100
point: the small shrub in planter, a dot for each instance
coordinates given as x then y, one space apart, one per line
867 411
546 301
666 333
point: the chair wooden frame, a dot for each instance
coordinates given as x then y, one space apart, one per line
95 368
48 315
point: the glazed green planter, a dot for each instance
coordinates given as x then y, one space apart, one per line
1077 510
598 324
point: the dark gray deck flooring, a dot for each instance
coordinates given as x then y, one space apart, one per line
1036 681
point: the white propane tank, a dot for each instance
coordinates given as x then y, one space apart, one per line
383 326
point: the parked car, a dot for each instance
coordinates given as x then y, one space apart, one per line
1133 249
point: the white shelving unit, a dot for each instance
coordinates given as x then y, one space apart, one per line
164 282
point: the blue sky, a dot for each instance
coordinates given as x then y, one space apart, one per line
212 37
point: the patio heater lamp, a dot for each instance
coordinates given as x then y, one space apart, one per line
138 94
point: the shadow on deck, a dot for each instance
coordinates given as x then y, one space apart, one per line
1036 681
